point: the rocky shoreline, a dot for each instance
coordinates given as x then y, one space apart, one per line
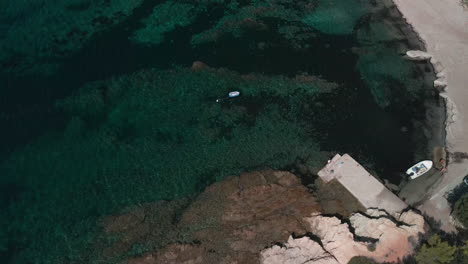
271 217
122 147
442 26
258 217
436 116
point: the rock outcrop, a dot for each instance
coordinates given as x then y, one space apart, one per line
441 82
417 55
376 235
261 217
439 157
438 67
395 238
230 222
300 250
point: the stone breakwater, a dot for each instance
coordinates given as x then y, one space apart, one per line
259 217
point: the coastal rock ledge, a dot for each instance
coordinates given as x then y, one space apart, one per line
260 217
376 236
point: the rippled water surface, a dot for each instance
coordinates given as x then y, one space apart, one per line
117 106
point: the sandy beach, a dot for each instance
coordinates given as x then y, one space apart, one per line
443 27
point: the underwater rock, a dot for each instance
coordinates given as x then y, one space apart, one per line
198 66
382 40
326 13
251 17
40 34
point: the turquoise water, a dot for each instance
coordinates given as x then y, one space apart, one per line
114 115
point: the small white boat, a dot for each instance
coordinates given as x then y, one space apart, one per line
419 169
230 95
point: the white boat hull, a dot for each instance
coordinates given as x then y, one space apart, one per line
419 169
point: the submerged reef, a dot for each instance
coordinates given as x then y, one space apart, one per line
152 135
374 32
337 17
247 18
326 14
382 41
36 35
164 18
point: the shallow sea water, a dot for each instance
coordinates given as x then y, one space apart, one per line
125 121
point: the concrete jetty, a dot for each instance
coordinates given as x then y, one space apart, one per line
361 184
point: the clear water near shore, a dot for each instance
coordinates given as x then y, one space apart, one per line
124 120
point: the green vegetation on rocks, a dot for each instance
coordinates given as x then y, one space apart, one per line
435 251
361 260
461 209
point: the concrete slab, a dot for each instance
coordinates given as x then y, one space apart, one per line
361 184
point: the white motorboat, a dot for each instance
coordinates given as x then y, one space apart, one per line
230 95
419 169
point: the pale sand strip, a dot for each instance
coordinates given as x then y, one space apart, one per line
443 26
